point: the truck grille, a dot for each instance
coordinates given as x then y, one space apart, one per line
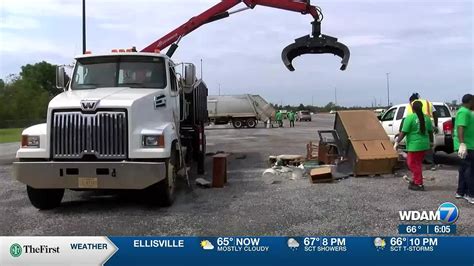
103 134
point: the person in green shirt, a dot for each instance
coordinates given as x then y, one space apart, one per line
291 117
279 118
464 144
418 129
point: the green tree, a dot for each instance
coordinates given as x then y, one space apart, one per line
24 98
330 106
43 74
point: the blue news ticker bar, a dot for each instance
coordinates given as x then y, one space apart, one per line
317 250
427 229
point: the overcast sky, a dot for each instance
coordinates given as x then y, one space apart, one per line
427 46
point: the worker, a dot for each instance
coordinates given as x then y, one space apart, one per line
279 118
430 111
464 144
291 118
418 130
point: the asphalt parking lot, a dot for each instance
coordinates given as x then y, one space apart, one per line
247 205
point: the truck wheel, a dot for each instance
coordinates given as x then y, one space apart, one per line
237 123
251 123
45 199
163 193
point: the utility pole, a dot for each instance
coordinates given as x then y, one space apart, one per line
388 89
83 26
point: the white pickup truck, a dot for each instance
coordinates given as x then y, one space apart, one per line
124 121
443 140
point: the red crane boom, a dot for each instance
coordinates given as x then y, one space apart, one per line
316 44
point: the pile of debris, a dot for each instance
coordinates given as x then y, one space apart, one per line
293 167
357 146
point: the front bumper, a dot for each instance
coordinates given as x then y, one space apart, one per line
89 175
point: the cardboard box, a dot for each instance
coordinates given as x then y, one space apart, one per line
365 143
321 174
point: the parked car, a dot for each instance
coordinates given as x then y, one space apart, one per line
443 140
304 116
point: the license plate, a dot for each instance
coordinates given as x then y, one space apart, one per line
88 182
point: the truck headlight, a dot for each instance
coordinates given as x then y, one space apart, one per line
30 141
153 141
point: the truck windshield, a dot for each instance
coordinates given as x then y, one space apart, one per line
119 71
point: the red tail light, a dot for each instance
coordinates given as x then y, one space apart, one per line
448 127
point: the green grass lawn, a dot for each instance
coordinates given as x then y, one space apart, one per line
10 134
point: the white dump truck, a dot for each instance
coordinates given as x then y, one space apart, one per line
125 120
241 110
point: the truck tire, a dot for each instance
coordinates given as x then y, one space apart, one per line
45 199
237 123
163 193
251 123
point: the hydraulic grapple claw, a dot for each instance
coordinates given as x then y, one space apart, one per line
316 44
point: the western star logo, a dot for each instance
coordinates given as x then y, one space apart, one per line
15 250
89 105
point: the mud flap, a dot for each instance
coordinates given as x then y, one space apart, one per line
316 44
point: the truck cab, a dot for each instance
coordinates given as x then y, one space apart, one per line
124 121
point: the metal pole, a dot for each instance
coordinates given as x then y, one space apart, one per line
388 89
201 68
83 26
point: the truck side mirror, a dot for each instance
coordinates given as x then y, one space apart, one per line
60 77
189 75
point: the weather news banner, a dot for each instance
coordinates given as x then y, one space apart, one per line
426 237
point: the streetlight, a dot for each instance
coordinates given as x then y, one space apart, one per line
83 26
388 89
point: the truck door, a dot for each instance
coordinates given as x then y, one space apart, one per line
388 120
174 93
398 119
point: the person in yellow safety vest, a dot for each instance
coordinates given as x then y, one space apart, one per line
429 110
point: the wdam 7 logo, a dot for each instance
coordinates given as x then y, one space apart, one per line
448 213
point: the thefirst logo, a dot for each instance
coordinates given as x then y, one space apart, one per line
447 213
